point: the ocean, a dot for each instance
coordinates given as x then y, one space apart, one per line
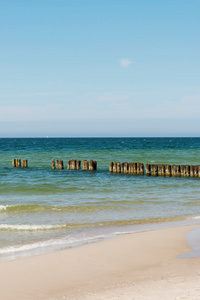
44 210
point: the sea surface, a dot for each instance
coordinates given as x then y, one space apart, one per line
43 210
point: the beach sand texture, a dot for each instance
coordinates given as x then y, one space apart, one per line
141 265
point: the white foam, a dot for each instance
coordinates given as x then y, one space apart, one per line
29 226
195 218
45 244
29 247
124 232
4 207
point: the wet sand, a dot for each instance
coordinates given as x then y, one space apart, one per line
142 265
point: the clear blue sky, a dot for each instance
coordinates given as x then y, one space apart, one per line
99 68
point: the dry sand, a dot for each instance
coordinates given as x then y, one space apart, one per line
136 266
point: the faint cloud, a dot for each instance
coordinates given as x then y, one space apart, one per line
125 62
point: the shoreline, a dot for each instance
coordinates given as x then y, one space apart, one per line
139 265
92 235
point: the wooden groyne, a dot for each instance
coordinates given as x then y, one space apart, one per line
132 168
127 168
174 170
155 169
74 164
18 163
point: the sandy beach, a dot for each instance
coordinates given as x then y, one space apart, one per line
141 265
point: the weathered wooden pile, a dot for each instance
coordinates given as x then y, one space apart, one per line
155 170
17 163
74 164
174 170
127 168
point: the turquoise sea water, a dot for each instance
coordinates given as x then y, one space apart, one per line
43 209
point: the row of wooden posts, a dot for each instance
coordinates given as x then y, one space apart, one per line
127 168
124 167
18 163
155 170
74 164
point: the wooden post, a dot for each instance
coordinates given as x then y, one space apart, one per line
148 169
68 164
176 171
95 165
154 170
92 165
24 163
78 164
173 170
141 169
118 167
14 163
73 164
59 164
187 171
191 171
130 169
161 170
138 168
168 171
53 164
114 167
134 168
18 163
85 164
198 170
126 167
183 171
122 167
111 167
196 173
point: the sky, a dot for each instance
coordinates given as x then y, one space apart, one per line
91 68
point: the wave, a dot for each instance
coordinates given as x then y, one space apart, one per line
4 207
59 243
27 247
195 218
37 208
67 226
194 203
20 208
69 241
20 227
50 243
